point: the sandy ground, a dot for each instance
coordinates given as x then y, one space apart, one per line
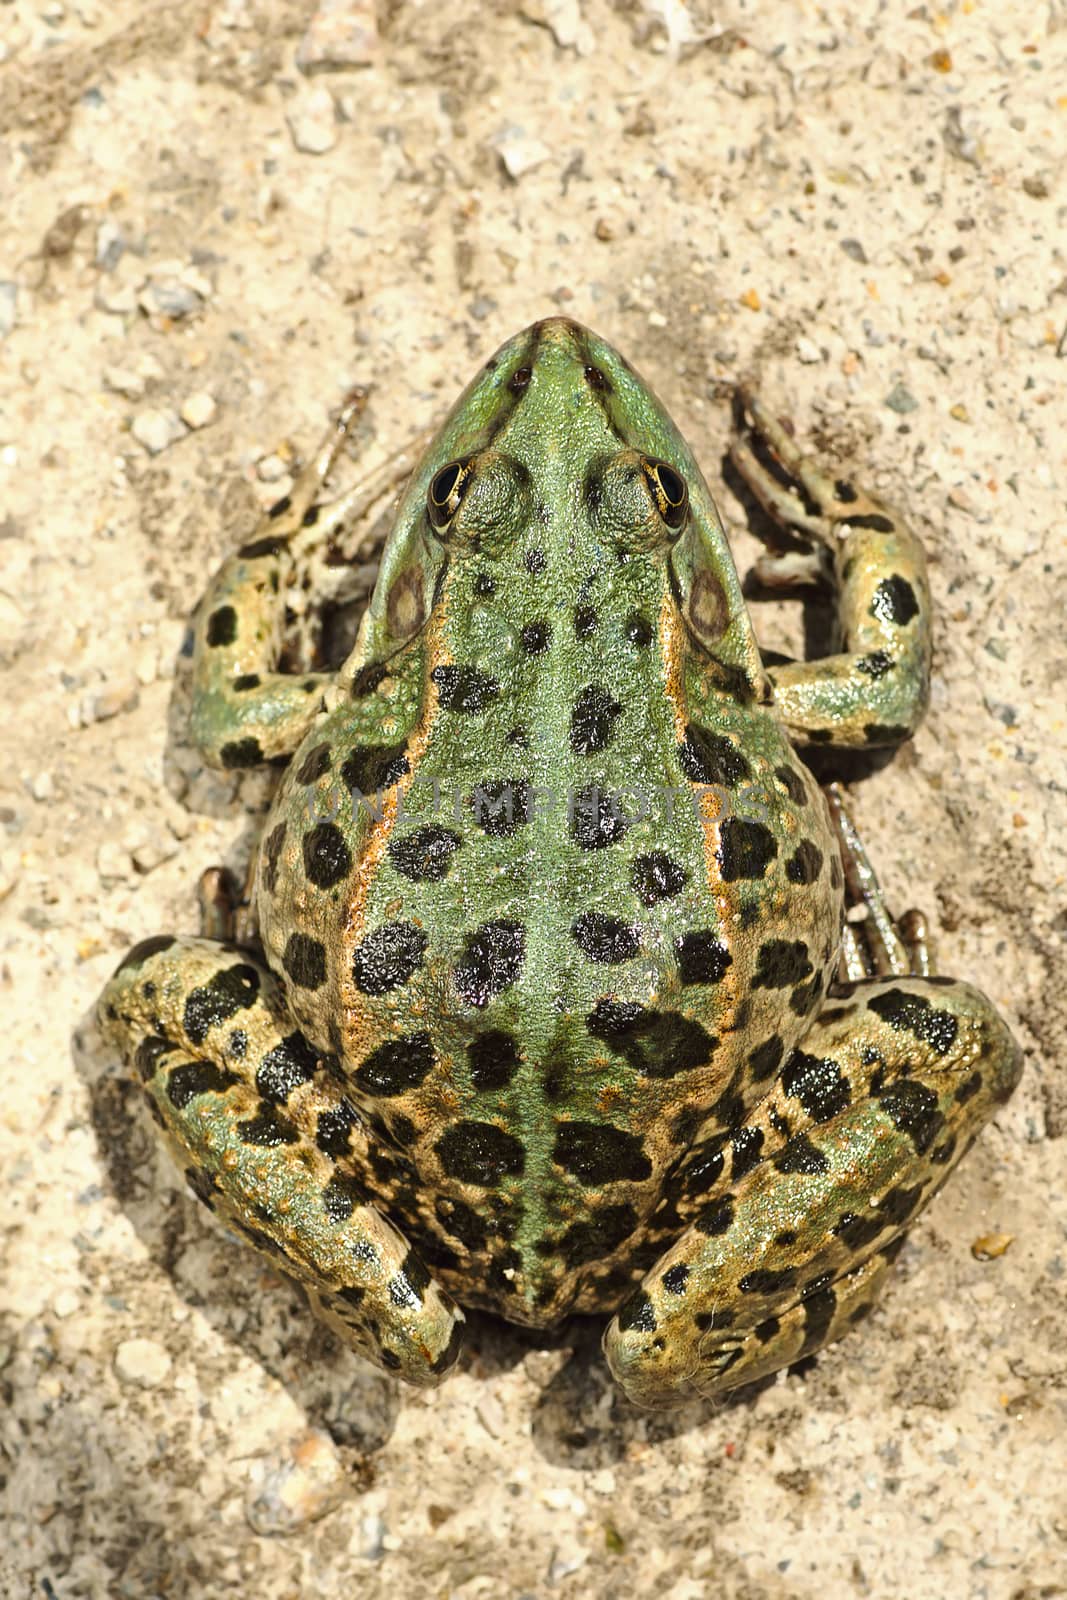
202 246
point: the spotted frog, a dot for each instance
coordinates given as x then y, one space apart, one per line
554 1007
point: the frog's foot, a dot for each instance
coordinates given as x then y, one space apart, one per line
792 1242
875 691
244 710
255 1117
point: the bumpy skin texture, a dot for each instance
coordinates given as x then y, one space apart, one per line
553 907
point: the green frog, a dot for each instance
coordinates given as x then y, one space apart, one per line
553 1005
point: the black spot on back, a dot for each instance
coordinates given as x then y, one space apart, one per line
805 864
425 855
702 957
608 940
327 858
536 638
656 876
745 849
492 960
657 1044
369 768
397 1065
765 1060
493 1059
800 1155
597 1153
314 764
304 959
388 957
597 818
269 1129
480 1153
637 1315
585 621
465 690
593 719
502 805
712 758
780 963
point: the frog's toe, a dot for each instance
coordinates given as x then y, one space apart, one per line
256 1118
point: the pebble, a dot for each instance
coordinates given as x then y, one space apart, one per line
313 122
198 409
564 20
341 34
114 698
151 851
120 380
110 246
269 469
170 297
9 295
42 788
142 1362
518 152
901 399
853 248
305 1484
65 1304
372 1536
807 350
157 429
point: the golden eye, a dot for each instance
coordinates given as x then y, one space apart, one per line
668 491
446 492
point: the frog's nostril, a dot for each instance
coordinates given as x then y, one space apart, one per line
520 379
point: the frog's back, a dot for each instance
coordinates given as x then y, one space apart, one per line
562 912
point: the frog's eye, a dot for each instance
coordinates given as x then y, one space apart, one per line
446 492
668 491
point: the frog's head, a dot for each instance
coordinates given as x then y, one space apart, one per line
558 469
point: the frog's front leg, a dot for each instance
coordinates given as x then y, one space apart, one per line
257 1120
875 691
791 1243
244 710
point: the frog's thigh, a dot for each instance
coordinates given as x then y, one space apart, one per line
266 1139
894 1082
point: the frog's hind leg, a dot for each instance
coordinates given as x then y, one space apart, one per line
245 711
258 1122
893 1084
875 690
796 1217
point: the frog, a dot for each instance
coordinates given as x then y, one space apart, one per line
551 1002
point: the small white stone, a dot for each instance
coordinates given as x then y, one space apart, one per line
120 380
269 469
65 1303
313 122
518 152
142 1362
198 409
9 296
42 787
121 695
170 297
156 429
109 247
341 34
564 20
305 1484
656 319
151 852
807 350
